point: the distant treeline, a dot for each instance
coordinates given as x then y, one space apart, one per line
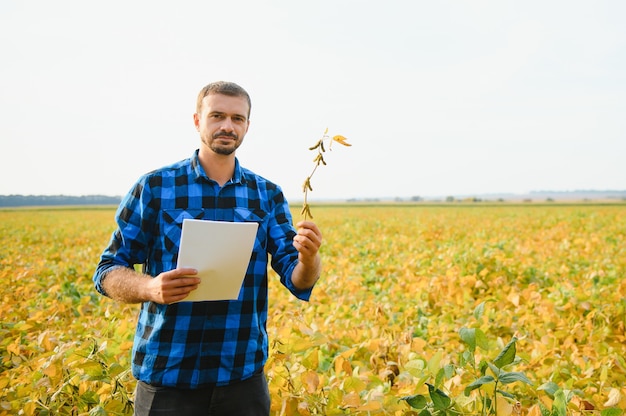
55 200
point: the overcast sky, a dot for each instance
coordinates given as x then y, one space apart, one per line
437 97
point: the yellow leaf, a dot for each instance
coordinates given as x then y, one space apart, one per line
83 387
369 406
348 353
311 381
126 346
513 298
339 364
29 408
341 140
311 359
45 342
351 399
418 344
504 407
303 409
353 384
14 347
53 370
614 397
604 373
105 390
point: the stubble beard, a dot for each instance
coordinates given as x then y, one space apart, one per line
220 150
223 149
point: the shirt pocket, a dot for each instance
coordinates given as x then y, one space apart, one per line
173 226
250 215
254 215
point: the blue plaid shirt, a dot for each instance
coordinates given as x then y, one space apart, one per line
195 344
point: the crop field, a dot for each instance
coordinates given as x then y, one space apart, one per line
459 309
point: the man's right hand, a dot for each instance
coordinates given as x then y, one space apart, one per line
172 286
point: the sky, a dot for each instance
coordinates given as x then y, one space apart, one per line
437 98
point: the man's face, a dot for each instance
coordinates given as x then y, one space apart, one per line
222 122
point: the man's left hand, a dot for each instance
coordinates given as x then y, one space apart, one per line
307 241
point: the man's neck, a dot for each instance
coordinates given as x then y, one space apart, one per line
220 168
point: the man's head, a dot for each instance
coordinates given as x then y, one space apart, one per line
222 117
225 88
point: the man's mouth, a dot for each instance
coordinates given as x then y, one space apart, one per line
225 136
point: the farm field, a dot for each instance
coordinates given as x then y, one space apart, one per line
461 309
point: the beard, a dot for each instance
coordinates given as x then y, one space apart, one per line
222 149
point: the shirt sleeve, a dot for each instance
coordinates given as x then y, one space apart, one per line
129 242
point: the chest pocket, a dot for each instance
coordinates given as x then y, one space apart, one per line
173 225
258 216
250 215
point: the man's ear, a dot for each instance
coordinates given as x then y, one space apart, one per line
196 121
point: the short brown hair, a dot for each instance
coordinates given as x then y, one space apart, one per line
225 88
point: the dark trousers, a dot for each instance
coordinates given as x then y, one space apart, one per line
248 397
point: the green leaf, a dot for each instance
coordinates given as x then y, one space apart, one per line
439 377
467 357
482 367
98 411
434 364
513 376
440 400
506 394
495 370
478 383
544 410
416 401
611 412
481 340
468 336
559 405
507 355
115 369
550 388
92 368
90 397
479 310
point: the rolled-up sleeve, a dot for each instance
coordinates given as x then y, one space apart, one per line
129 242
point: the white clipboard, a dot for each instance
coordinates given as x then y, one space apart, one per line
220 251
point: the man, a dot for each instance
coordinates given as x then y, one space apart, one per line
204 357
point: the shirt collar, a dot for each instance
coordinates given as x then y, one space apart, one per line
238 176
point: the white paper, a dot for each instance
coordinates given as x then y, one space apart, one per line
220 251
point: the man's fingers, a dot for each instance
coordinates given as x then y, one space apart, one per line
308 239
181 277
178 289
183 271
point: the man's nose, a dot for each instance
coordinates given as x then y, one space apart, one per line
228 125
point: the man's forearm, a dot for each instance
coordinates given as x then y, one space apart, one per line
304 276
126 285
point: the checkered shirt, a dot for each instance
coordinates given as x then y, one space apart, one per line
197 344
